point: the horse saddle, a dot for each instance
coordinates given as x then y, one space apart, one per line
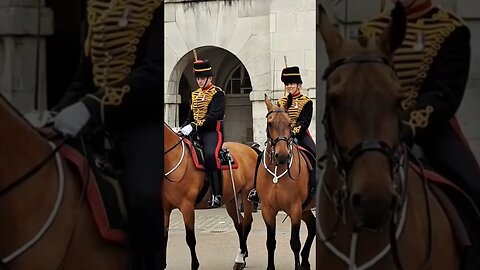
103 192
197 151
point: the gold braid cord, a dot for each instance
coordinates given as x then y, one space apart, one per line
114 30
200 101
294 111
412 60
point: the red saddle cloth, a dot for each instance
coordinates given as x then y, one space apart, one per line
199 163
93 196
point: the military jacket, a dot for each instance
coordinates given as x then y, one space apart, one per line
432 65
207 107
300 113
121 68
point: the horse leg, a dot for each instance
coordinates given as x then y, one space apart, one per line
243 229
166 214
189 219
295 245
242 253
269 216
309 220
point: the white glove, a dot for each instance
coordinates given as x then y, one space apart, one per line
186 130
72 119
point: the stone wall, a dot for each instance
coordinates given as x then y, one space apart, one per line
20 38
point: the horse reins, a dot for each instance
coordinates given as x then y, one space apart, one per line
34 170
181 158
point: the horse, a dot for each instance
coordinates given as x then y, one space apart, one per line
391 218
286 191
183 182
45 221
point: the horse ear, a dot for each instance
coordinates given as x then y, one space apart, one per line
268 102
392 37
330 35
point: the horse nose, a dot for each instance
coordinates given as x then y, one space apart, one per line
281 159
372 213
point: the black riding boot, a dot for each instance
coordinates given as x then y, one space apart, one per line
252 195
312 181
216 189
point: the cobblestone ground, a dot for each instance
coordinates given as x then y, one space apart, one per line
217 242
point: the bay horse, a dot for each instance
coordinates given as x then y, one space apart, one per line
45 224
282 185
391 219
184 181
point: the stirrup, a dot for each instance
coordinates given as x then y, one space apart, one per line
215 202
253 196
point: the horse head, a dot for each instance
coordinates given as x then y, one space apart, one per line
279 134
362 120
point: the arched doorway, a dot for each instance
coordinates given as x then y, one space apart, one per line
229 74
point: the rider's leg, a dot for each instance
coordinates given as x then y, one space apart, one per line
452 158
213 142
307 142
142 152
252 195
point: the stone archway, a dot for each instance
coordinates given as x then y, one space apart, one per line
231 75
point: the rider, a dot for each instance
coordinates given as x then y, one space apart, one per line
205 118
118 87
300 113
433 66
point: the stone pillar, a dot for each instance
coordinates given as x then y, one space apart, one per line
22 33
171 109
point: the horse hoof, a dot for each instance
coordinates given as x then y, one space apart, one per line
239 266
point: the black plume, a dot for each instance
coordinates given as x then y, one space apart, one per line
289 101
398 26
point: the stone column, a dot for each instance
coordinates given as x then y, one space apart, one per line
24 25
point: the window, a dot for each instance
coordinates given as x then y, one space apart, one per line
238 82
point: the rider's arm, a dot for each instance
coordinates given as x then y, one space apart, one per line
189 118
81 84
304 119
444 86
216 111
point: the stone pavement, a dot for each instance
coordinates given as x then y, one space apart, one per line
217 242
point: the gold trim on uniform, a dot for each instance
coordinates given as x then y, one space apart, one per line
294 111
412 64
203 69
112 45
200 101
291 74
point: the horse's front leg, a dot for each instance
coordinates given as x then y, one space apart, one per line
166 216
189 219
295 216
242 253
269 216
309 219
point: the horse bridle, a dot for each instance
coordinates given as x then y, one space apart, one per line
343 160
274 141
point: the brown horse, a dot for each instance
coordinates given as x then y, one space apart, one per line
282 185
184 182
374 210
45 224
